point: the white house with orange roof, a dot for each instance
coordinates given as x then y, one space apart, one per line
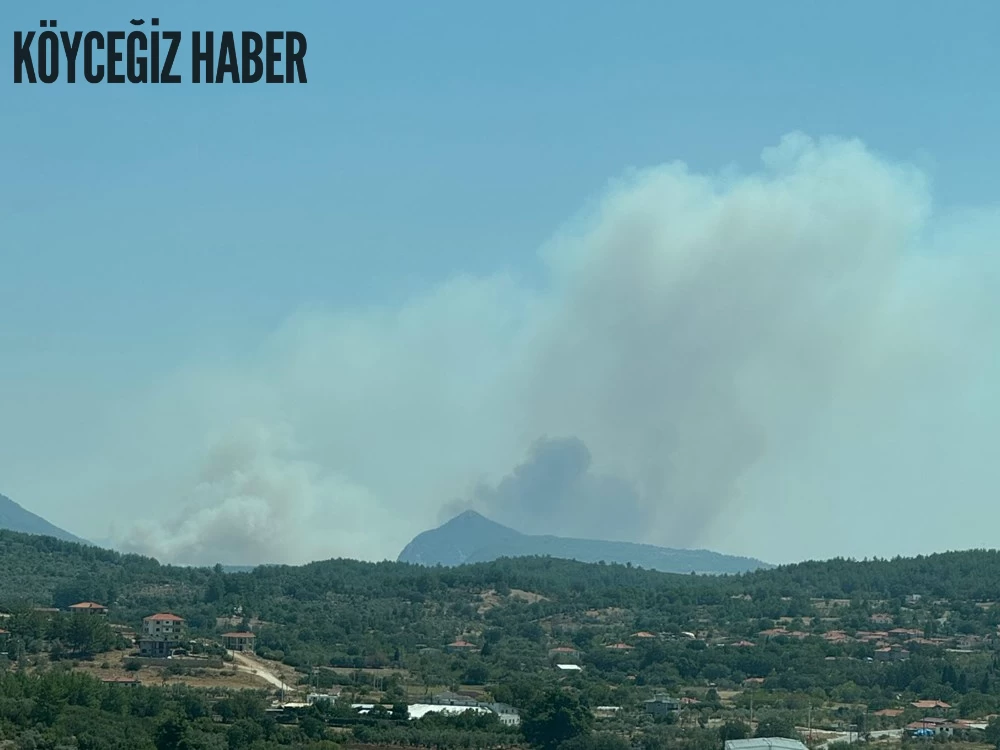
161 634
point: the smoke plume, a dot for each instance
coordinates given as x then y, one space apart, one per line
555 489
780 363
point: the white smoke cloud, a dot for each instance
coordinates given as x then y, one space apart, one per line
779 363
253 501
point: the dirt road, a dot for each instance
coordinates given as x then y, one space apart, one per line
250 665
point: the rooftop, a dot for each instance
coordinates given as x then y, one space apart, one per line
765 743
164 616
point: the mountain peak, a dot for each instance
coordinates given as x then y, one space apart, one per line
471 537
16 518
474 519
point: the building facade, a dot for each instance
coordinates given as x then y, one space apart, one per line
161 634
239 641
662 705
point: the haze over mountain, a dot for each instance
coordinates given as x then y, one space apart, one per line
471 537
16 518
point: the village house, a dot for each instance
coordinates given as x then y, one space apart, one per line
931 725
460 646
620 647
662 705
891 653
330 696
448 698
161 634
239 641
88 608
508 715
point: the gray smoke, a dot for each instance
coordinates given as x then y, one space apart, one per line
556 491
782 363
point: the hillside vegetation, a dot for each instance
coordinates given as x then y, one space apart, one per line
836 641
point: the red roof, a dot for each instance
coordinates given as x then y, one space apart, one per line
462 644
87 605
239 635
930 704
164 616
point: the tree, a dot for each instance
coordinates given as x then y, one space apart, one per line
993 732
599 741
555 718
777 727
170 734
734 730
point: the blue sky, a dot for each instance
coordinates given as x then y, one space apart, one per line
151 229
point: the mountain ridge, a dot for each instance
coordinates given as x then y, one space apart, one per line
17 518
470 537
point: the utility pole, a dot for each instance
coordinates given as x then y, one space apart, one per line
810 723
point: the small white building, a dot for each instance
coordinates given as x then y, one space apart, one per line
313 698
569 667
420 710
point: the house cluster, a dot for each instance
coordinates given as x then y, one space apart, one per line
933 726
163 636
890 645
937 723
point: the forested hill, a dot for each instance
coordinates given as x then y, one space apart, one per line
42 567
513 612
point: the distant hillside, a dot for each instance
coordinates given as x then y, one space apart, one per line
472 538
16 518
